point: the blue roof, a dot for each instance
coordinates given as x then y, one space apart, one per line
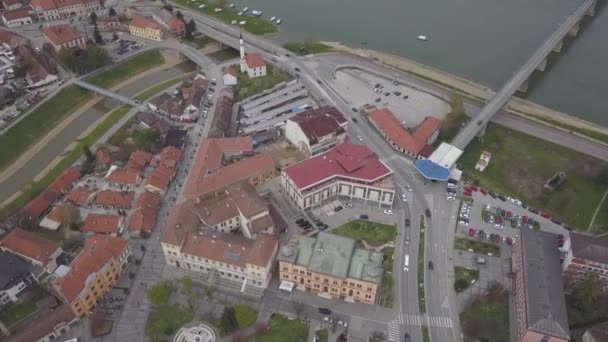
431 170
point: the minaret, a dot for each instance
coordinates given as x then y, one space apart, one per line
242 51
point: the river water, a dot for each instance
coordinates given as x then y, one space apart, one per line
482 40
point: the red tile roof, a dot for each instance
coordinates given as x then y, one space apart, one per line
229 71
121 176
318 123
144 23
143 214
347 161
41 203
42 5
176 24
16 14
160 178
170 156
80 196
101 223
98 250
116 199
29 245
103 156
44 325
61 34
426 151
385 121
254 60
138 160
56 215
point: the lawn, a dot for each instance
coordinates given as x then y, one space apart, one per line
322 335
600 224
477 246
127 69
520 166
38 123
255 25
487 317
386 288
15 313
247 87
307 48
245 315
420 269
280 327
375 234
464 277
163 321
425 334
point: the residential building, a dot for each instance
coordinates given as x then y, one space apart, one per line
138 161
34 249
195 97
582 256
10 40
38 71
229 76
255 65
109 199
348 170
102 155
111 24
123 178
143 27
143 215
316 130
15 277
47 328
64 37
92 273
400 137
595 335
332 267
61 9
174 25
40 205
12 5
540 304
111 225
16 18
55 218
80 196
222 118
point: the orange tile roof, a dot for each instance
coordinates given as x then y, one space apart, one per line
36 207
55 214
426 129
121 176
61 34
138 160
229 71
160 177
144 23
115 198
30 245
176 23
103 156
43 5
44 325
80 195
101 223
254 60
98 250
16 14
170 156
143 215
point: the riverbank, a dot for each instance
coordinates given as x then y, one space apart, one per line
480 93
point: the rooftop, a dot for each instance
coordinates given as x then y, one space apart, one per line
118 199
30 245
138 161
254 60
16 14
542 273
61 34
349 161
123 176
80 195
589 247
321 122
143 214
12 269
102 224
144 23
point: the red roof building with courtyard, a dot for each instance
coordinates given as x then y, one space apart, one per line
115 199
64 37
316 130
36 250
102 224
143 214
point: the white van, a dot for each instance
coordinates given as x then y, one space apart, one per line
406 263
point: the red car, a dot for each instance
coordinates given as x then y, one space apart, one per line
498 220
471 232
509 241
474 188
483 191
509 214
545 215
524 219
498 238
467 193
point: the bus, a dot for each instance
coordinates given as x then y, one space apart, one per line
406 263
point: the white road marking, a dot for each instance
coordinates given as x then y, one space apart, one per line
394 332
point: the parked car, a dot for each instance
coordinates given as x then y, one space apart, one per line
325 311
431 266
338 208
364 217
502 198
533 210
388 212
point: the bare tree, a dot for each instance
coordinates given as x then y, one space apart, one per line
70 216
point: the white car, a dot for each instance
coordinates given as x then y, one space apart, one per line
404 197
360 138
388 212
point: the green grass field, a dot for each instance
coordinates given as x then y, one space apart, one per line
307 48
280 327
520 166
127 69
600 225
477 246
247 87
245 315
373 233
322 335
163 321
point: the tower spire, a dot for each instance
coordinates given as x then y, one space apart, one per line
242 53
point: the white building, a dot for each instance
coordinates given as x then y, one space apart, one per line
16 18
251 63
315 131
348 171
229 76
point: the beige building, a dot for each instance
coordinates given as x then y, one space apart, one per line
143 27
332 267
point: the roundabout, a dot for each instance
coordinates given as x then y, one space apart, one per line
199 333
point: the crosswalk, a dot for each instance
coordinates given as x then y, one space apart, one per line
431 321
445 303
394 332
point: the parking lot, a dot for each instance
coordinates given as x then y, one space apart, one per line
124 47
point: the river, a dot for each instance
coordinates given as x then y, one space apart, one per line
485 41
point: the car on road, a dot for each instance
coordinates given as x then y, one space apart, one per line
364 217
407 222
427 212
378 100
430 265
354 120
502 198
354 109
407 338
338 208
319 81
492 194
325 311
296 69
407 239
388 212
328 320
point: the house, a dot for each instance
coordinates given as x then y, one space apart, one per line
111 24
47 328
55 218
125 179
92 273
102 155
143 215
347 171
138 161
143 27
16 18
38 72
176 27
229 76
10 40
595 335
582 256
195 96
103 224
64 37
109 199
176 138
158 180
12 5
80 196
60 9
37 207
15 277
316 130
222 117
34 249
255 65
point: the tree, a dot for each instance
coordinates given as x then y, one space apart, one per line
160 293
114 36
111 12
187 285
587 292
93 18
84 61
97 36
70 216
87 153
168 7
460 285
180 15
190 28
228 322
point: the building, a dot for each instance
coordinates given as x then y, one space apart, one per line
109 199
40 205
174 25
54 219
38 71
143 215
47 328
11 5
125 179
15 277
64 37
540 304
111 225
61 9
316 130
399 137
34 249
440 165
332 267
138 161
10 40
102 155
80 196
230 76
582 256
595 335
194 97
143 27
222 117
251 63
349 171
16 18
92 273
